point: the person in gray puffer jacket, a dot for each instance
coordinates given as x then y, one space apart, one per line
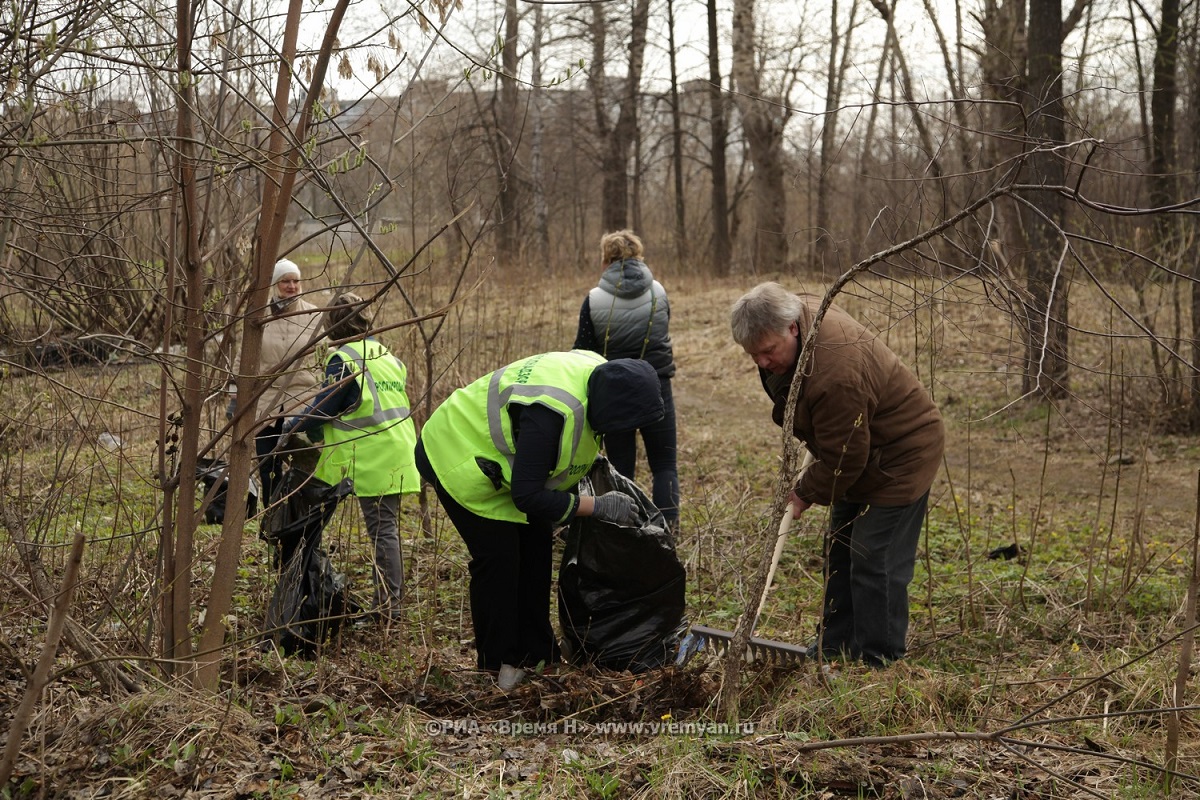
628 316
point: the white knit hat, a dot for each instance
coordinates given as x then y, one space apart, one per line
283 268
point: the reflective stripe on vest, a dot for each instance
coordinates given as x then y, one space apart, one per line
498 402
473 428
373 449
381 415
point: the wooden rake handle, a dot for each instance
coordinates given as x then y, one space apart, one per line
785 525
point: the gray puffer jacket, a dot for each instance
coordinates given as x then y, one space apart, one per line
630 316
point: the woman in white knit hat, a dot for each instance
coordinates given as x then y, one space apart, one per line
287 330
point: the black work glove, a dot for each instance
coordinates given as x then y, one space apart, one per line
616 507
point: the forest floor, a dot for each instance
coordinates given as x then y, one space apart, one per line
1048 675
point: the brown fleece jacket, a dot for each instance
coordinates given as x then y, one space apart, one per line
283 337
876 434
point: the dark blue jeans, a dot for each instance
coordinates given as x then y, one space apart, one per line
661 453
869 564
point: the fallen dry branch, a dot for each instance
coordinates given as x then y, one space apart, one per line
54 630
1184 665
1016 746
112 679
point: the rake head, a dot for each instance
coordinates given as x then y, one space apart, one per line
759 650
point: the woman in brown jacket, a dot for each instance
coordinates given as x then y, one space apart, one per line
287 330
877 438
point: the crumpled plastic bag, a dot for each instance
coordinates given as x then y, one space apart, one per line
311 598
214 472
621 590
310 602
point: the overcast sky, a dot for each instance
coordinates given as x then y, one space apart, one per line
470 41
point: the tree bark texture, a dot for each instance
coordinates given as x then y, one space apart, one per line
186 261
722 246
284 160
763 121
508 137
681 247
1003 64
823 243
1047 274
616 136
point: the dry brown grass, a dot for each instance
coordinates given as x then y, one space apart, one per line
992 640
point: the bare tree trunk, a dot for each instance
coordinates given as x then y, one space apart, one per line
285 157
541 213
1163 189
866 155
676 141
722 247
1003 67
185 243
508 136
956 89
1193 266
1047 274
635 195
41 673
824 244
617 136
906 89
763 122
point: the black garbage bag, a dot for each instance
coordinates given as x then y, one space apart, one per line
215 472
621 590
311 599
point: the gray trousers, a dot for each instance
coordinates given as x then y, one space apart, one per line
382 517
871 554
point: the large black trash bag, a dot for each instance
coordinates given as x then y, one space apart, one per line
621 590
215 472
310 598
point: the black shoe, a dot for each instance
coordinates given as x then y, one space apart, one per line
827 653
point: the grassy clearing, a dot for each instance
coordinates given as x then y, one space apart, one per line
1071 642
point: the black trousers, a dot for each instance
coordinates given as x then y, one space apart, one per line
511 567
661 452
871 554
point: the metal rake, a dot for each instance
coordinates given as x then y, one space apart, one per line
778 653
701 637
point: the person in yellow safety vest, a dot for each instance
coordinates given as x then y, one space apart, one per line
362 417
504 454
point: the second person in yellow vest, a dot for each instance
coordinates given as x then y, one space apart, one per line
362 416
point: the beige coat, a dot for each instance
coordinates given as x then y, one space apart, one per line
875 432
283 337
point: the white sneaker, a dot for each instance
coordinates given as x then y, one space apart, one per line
510 677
